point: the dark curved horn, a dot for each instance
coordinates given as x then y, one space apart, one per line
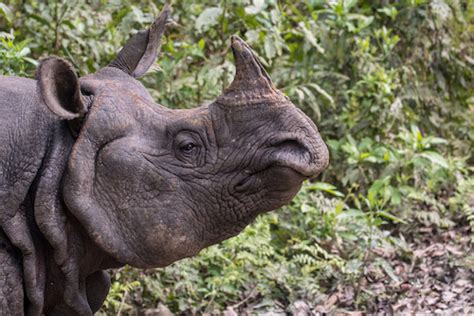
251 84
139 53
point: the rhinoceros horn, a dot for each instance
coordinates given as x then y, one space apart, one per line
251 84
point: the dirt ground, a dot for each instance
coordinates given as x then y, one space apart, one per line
434 277
439 279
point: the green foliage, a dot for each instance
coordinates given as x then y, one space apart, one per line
14 58
389 84
463 199
119 290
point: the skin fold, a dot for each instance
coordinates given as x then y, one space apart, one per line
94 174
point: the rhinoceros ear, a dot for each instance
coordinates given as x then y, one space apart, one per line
59 87
139 53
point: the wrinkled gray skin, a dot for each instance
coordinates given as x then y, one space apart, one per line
94 174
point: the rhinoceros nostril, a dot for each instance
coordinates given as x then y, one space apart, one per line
296 152
291 145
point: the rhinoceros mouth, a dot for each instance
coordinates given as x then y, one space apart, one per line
286 163
283 176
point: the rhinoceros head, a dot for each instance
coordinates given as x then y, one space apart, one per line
151 185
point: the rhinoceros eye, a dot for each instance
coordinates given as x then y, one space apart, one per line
187 147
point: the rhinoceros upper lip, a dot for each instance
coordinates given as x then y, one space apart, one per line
291 151
251 179
304 171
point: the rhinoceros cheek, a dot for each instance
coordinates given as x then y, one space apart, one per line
169 236
174 249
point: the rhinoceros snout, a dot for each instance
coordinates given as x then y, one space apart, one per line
305 154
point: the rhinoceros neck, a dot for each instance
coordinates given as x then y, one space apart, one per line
70 255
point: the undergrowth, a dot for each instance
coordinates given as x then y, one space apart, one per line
390 88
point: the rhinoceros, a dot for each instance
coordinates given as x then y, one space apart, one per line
95 175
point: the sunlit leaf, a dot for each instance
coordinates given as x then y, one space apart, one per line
6 12
326 187
207 18
435 158
269 46
323 92
310 38
258 6
391 217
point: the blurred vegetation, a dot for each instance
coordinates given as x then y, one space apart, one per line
390 86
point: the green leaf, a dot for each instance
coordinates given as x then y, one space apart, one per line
435 140
435 158
6 12
323 92
25 51
390 11
396 196
389 270
310 37
375 189
201 44
269 46
207 18
326 187
257 7
391 217
349 4
305 208
351 213
252 36
41 20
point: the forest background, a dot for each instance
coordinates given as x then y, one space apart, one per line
388 227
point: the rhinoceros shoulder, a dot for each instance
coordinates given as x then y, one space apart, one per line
25 129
